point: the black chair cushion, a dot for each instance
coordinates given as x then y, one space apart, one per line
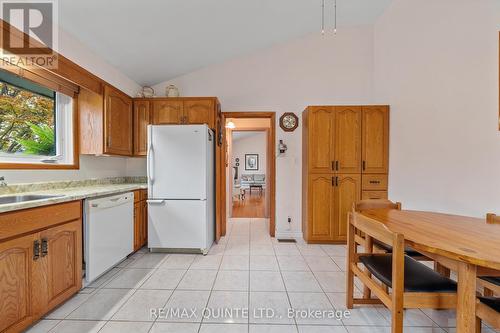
387 248
492 302
417 276
491 279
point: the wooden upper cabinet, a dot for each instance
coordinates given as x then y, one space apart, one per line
167 112
321 197
347 141
200 112
142 118
375 139
321 133
90 108
117 122
16 259
347 191
61 256
185 110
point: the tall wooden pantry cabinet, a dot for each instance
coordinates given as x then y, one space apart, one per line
345 158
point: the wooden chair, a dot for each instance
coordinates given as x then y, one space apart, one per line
490 284
384 248
492 218
488 309
411 283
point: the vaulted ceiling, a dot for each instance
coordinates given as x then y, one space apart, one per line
155 40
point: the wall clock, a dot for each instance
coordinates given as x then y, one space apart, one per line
289 122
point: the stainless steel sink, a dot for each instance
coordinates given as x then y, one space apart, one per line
23 198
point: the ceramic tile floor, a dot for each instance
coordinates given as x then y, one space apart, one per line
246 270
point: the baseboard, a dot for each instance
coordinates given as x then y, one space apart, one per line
289 235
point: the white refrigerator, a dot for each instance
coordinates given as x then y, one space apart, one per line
181 206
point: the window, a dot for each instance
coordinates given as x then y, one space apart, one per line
36 123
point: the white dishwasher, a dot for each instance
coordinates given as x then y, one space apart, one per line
108 233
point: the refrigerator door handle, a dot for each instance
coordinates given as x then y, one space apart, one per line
155 202
150 166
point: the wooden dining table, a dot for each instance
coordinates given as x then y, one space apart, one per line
469 246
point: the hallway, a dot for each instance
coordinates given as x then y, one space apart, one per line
252 206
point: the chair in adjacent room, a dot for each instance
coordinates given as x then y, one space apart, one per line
412 284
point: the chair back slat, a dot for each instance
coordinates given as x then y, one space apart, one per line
375 204
372 228
492 218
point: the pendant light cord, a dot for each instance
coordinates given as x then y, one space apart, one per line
335 23
323 18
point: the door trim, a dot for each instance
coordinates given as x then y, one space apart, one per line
271 144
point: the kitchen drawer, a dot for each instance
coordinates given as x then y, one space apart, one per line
366 195
374 183
33 219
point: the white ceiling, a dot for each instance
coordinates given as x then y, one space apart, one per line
155 40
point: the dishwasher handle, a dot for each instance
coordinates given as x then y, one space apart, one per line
112 202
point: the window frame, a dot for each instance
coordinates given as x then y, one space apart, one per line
75 163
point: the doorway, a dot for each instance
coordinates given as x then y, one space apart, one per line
247 172
249 165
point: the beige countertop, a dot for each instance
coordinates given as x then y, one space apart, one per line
70 194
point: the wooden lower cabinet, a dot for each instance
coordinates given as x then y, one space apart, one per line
329 200
16 283
61 248
140 219
347 191
40 270
320 212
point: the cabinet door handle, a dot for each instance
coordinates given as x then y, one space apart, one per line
45 247
374 181
36 249
333 165
333 181
336 181
337 164
364 165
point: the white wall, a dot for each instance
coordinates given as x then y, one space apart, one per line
256 143
90 166
436 64
311 70
73 49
